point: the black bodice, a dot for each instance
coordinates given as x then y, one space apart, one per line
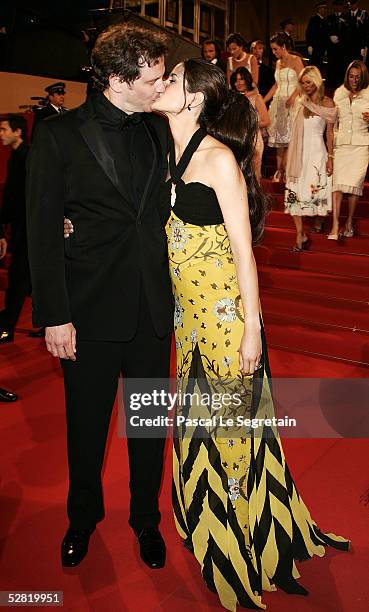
195 202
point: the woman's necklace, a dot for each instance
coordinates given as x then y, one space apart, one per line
242 58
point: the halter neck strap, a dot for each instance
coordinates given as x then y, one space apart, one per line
177 170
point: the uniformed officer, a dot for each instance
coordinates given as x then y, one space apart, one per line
338 31
55 105
317 35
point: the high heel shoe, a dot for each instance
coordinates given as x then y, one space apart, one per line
335 237
349 233
305 245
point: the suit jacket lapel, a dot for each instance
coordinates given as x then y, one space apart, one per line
96 141
154 173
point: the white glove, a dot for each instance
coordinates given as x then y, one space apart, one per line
334 39
310 50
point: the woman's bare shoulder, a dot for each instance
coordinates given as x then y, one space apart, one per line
212 146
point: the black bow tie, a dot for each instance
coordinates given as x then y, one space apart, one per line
129 120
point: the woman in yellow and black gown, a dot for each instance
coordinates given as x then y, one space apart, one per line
235 503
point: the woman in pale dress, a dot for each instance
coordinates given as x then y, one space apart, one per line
235 45
309 165
241 80
284 93
351 147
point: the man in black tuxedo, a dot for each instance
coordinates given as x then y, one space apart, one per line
266 73
13 134
55 105
104 295
317 35
358 29
288 27
211 52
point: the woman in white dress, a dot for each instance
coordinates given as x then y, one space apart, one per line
241 80
235 45
351 146
309 165
284 93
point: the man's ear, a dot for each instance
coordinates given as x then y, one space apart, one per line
115 83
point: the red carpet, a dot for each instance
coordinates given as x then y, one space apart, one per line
329 473
315 307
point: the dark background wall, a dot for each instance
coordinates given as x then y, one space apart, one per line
50 39
251 15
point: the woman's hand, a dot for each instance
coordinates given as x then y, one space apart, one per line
250 350
329 166
290 101
68 227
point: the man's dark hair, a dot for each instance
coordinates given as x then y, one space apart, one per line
122 51
210 41
17 122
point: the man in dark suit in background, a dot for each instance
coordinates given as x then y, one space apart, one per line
13 134
266 73
337 44
55 104
5 396
104 295
358 30
288 27
317 36
211 52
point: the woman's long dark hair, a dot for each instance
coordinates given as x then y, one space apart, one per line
229 117
245 76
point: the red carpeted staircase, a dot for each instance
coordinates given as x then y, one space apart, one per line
316 303
315 308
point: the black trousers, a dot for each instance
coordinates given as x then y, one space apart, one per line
19 280
90 389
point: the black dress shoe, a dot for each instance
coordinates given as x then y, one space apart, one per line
6 336
152 547
7 396
37 333
75 546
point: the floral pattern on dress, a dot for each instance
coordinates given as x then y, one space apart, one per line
225 310
179 236
178 312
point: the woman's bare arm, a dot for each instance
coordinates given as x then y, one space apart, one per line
264 119
229 184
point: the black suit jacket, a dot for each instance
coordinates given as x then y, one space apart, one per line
338 26
357 33
317 34
13 208
43 113
94 277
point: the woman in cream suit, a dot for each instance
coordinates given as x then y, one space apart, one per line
351 153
